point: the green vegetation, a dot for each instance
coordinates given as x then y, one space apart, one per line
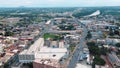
84 12
98 61
94 50
51 36
111 33
90 43
8 33
66 27
6 65
38 19
118 24
118 44
97 52
72 47
118 53
89 35
104 51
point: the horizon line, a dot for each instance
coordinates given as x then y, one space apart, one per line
53 6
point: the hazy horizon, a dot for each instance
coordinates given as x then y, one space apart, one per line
59 3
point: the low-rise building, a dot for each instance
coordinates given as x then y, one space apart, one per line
115 61
28 55
38 51
52 53
112 41
16 65
46 63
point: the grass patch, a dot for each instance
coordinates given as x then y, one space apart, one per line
51 36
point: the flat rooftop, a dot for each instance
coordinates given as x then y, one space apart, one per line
50 62
48 22
34 47
16 64
51 53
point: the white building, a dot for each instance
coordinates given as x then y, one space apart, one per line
52 53
27 55
38 51
112 41
48 22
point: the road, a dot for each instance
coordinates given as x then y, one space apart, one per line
79 49
43 31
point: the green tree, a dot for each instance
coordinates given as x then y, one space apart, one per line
94 50
6 65
91 43
111 33
98 61
8 33
118 44
89 35
103 51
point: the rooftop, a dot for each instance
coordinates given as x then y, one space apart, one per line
34 47
16 64
51 53
50 62
48 22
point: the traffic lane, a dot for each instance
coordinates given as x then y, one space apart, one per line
80 47
74 59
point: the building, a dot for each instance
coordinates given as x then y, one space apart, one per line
101 41
115 61
16 65
54 44
112 41
46 63
28 55
11 20
52 53
48 22
38 51
61 44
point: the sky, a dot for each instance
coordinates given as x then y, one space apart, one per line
58 3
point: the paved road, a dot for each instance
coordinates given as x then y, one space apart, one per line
79 49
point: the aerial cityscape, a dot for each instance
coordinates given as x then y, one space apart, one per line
59 34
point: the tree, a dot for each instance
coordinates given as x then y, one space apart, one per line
116 32
91 43
6 65
103 51
8 33
98 61
94 50
89 35
118 44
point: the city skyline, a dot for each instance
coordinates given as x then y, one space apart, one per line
58 3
